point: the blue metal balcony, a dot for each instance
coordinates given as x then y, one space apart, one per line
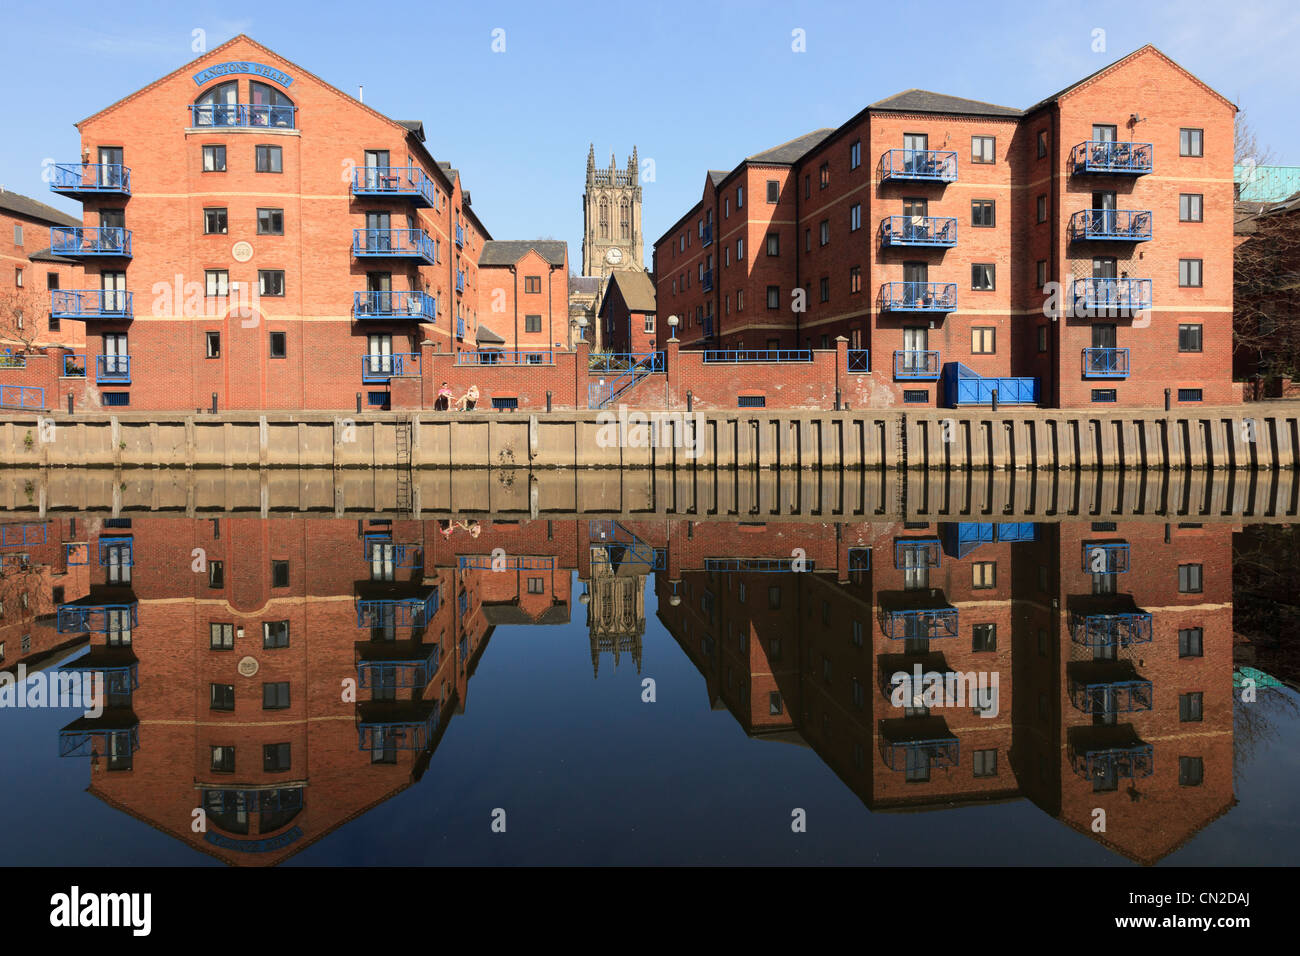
1105 557
112 370
930 297
460 236
91 179
415 611
419 306
243 115
81 618
1104 297
1099 156
510 357
1105 363
392 244
706 280
113 736
963 386
706 237
460 328
117 552
22 535
407 726
79 242
394 182
507 562
923 165
914 365
381 367
859 361
610 363
757 355
380 549
397 664
757 565
1114 225
1110 697
74 365
22 397
917 745
118 665
926 623
960 538
91 304
1110 630
1128 758
911 231
460 281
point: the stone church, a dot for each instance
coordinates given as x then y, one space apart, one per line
611 236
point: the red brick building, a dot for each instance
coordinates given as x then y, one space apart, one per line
30 273
627 312
523 295
1075 252
255 234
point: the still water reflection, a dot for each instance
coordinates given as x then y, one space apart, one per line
649 691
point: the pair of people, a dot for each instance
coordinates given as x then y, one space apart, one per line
446 397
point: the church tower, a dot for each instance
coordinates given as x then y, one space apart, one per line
611 214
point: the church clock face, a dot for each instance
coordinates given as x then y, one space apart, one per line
614 256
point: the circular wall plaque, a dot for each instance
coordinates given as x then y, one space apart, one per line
242 251
248 666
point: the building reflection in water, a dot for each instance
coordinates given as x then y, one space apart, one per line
286 675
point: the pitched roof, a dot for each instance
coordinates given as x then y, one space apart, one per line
46 255
924 101
485 336
29 208
584 285
790 151
506 252
718 175
1105 69
636 288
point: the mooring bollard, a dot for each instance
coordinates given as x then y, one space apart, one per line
548 399
995 399
214 403
358 403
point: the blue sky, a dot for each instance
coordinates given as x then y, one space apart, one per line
694 85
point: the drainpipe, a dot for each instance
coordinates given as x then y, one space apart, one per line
1054 332
514 280
797 253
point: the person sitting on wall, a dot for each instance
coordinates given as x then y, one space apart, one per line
467 401
443 402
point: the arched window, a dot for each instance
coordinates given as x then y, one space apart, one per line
269 107
625 220
216 107
604 219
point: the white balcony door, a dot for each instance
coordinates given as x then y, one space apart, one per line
116 357
376 160
916 339
110 163
379 352
914 146
113 286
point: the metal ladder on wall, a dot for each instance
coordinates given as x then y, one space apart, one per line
403 441
900 463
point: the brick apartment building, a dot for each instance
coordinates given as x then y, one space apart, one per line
30 272
1112 643
932 231
252 232
524 295
627 312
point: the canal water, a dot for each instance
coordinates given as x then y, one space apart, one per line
290 690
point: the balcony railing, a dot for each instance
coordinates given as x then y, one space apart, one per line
922 623
1121 225
611 363
22 396
916 553
392 244
397 612
243 115
389 726
460 236
113 736
520 357
1105 557
1111 630
758 355
91 179
706 237
460 282
758 565
460 328
112 370
381 550
1110 697
918 297
1099 296
1100 156
963 386
706 280
74 365
394 182
918 231
1136 759
410 666
960 538
78 241
914 365
116 552
1105 363
90 304
927 165
380 367
859 361
97 618
395 305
